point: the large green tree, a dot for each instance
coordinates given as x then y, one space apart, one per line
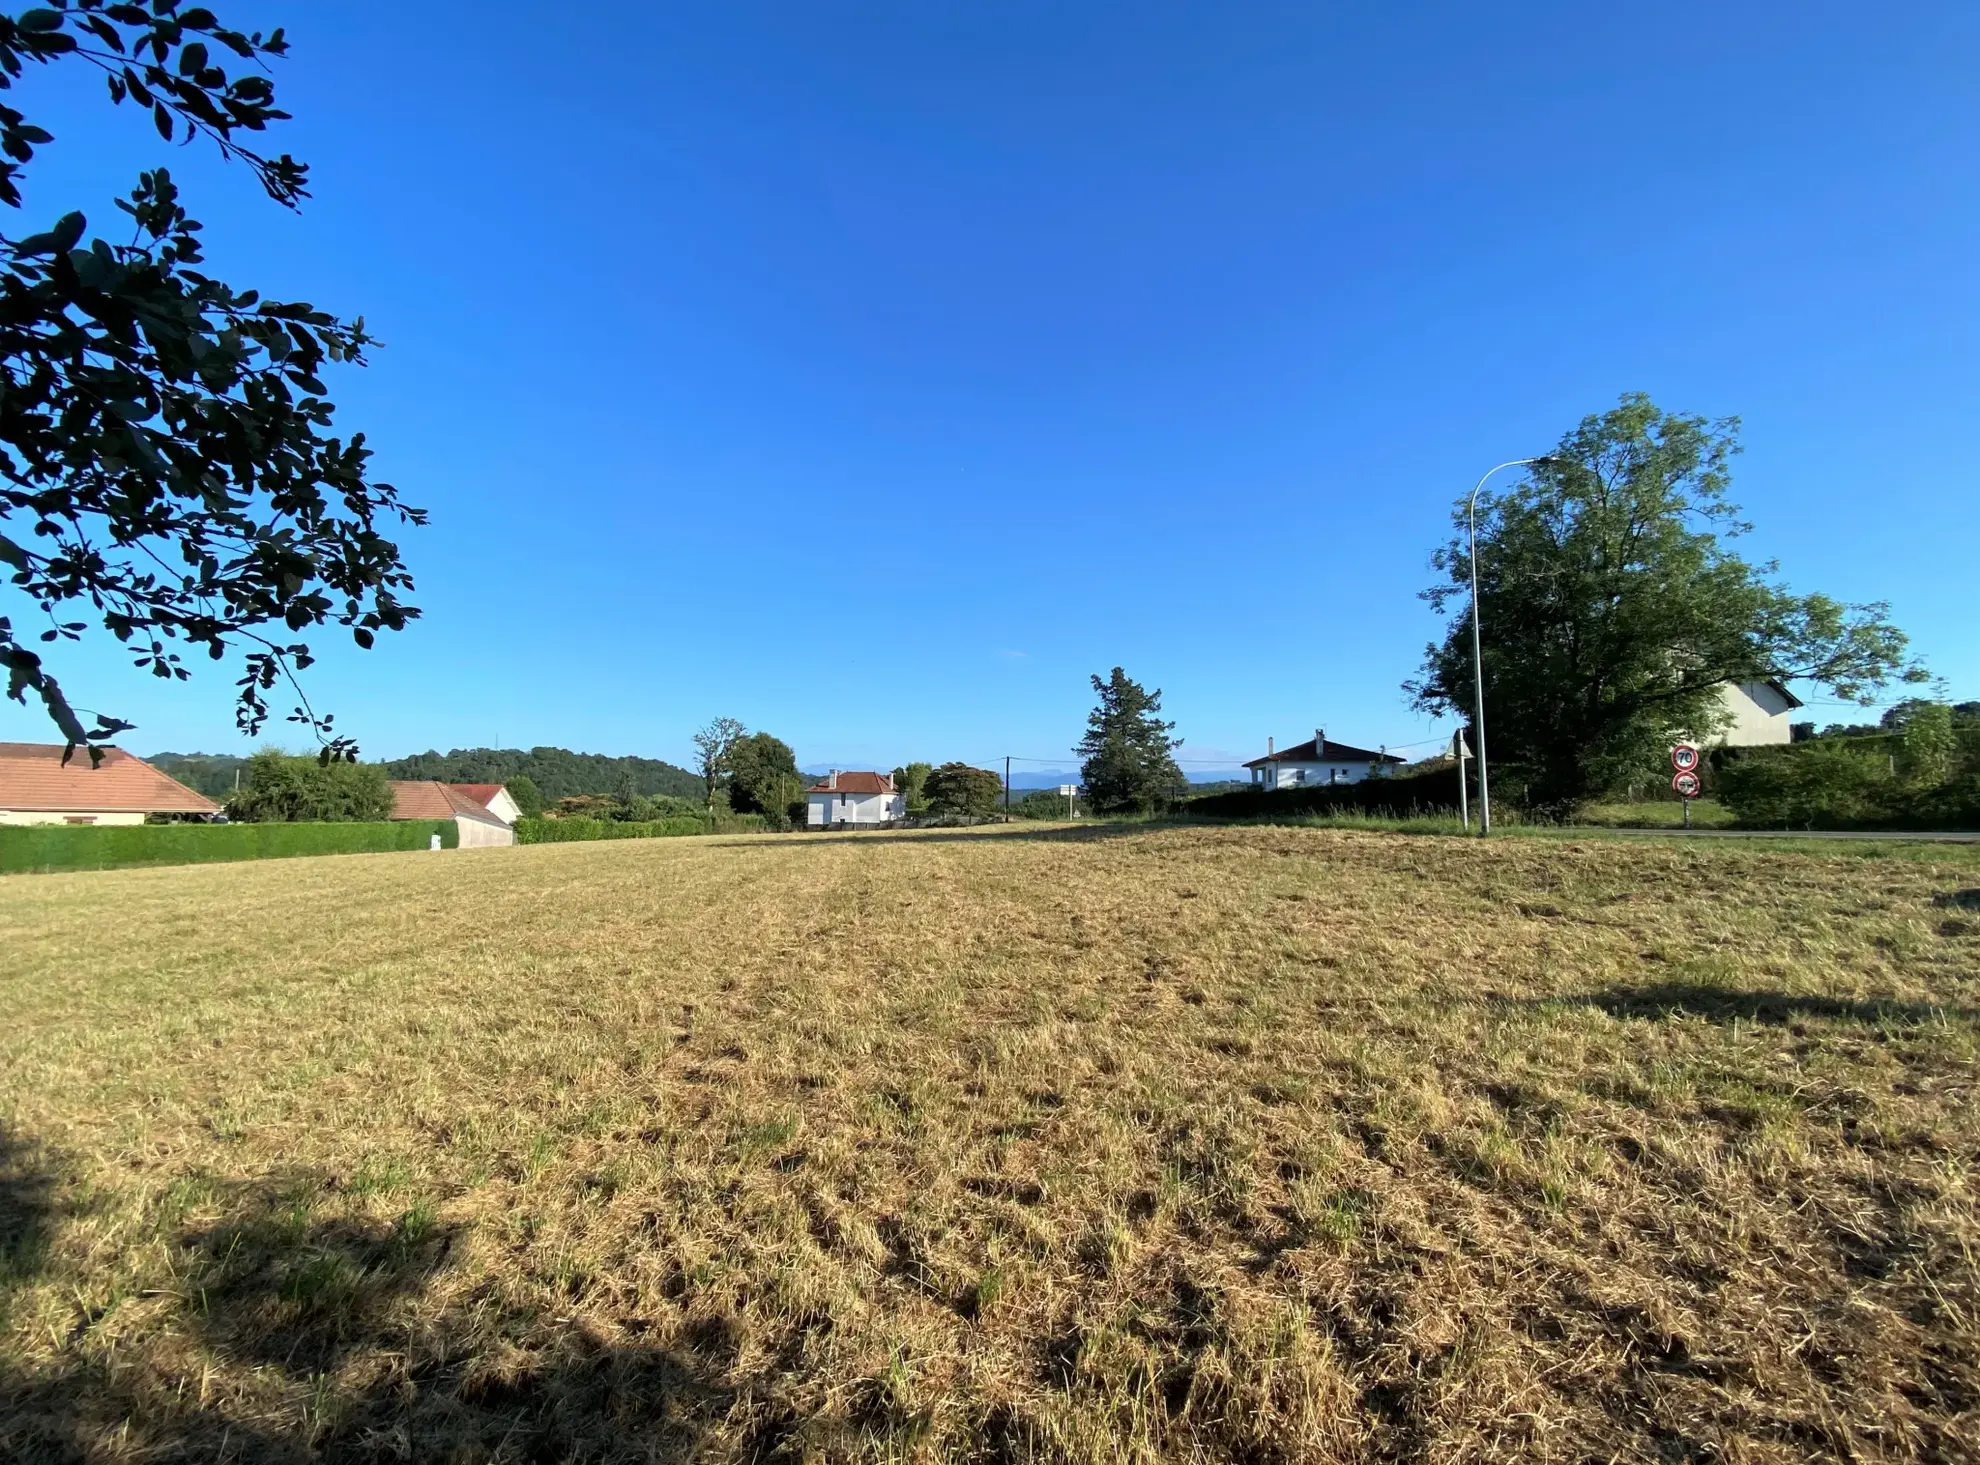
957 788
282 789
166 466
712 747
1128 756
1613 613
763 776
911 783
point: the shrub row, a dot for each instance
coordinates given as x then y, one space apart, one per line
1434 792
1834 785
560 831
109 846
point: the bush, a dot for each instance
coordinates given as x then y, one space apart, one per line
1431 792
1840 784
283 788
110 846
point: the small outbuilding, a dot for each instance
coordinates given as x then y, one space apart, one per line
472 806
853 800
1316 762
37 787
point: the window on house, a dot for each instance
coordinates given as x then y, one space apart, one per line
79 819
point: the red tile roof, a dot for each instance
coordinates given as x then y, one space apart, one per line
424 798
855 783
481 793
32 777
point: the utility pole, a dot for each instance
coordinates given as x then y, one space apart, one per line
1007 788
1478 655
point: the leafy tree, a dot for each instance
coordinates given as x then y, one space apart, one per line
762 772
957 788
1929 746
1613 614
712 746
284 789
1129 757
165 463
529 799
911 783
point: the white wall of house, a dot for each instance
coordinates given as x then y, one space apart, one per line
504 807
483 834
1308 775
1760 716
71 816
844 808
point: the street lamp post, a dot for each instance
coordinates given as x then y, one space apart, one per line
1477 655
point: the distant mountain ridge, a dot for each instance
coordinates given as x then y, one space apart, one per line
556 772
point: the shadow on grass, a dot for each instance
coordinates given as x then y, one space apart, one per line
27 1208
1720 1004
313 1338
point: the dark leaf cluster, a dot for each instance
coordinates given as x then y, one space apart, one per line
167 469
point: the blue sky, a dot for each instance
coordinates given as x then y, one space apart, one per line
874 373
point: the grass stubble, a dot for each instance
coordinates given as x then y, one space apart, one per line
1123 1145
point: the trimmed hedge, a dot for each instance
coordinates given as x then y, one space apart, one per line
568 829
1435 792
49 847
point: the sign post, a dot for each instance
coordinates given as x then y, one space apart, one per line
1684 782
1068 789
1462 752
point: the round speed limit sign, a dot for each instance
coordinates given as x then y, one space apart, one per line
1684 757
1685 784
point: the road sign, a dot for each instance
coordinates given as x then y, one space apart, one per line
1685 784
1067 790
1684 757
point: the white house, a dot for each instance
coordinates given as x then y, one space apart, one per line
467 804
853 799
1316 761
1759 712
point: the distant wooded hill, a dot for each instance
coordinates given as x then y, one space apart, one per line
211 774
556 772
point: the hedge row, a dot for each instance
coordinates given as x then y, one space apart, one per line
559 831
1434 792
109 846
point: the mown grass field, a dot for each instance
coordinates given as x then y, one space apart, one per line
1114 1145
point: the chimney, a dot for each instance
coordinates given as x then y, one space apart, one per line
1269 750
833 781
1319 742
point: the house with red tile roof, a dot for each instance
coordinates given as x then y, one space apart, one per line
477 809
852 800
37 787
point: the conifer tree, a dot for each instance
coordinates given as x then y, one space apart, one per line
1128 756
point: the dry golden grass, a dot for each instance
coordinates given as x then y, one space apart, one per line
1155 1145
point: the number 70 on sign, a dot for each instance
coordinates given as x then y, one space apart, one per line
1684 759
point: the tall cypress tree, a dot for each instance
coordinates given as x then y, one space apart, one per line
1129 757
